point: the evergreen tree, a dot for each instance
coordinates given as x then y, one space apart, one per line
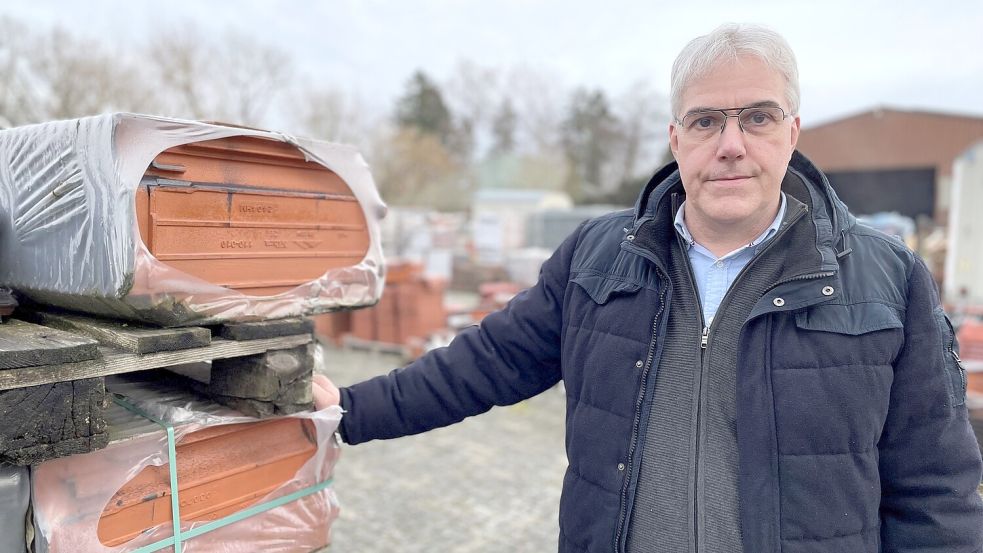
422 108
590 138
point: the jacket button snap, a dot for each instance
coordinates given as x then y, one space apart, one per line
639 364
630 237
621 466
828 291
778 302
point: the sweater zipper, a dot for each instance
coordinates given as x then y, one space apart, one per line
638 412
704 358
705 338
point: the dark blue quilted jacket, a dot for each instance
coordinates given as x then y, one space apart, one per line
852 430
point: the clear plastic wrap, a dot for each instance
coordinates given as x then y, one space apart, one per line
70 494
15 496
69 232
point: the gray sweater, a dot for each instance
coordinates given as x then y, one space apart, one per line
687 500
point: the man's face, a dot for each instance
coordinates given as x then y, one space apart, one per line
733 179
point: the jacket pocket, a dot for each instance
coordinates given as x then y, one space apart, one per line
955 373
853 319
602 287
832 369
832 381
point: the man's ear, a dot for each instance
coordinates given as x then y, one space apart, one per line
796 125
674 140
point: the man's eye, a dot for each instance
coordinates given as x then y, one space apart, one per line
705 123
760 118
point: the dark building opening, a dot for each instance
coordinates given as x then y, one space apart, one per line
909 192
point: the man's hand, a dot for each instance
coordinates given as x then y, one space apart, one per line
326 393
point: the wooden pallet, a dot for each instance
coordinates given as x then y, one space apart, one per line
52 390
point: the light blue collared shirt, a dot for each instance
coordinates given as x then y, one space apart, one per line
713 274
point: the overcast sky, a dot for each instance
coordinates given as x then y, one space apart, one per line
852 55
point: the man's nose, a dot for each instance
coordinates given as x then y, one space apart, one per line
730 144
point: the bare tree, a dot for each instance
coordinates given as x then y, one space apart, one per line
503 128
14 94
179 67
254 76
473 92
56 75
330 114
538 98
643 118
232 78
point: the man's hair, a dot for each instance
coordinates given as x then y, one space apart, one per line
727 42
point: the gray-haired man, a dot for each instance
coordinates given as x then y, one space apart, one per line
747 368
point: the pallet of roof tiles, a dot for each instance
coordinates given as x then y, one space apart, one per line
180 222
228 470
52 365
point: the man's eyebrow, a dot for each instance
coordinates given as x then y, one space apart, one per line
761 104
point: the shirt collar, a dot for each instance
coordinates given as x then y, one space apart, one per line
683 230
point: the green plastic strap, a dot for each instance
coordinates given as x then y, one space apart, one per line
175 540
172 467
236 517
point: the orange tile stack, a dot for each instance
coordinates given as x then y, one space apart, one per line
971 351
173 222
494 296
221 470
249 214
411 309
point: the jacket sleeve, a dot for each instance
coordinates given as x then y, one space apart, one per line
514 354
929 460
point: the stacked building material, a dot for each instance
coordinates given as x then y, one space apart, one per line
411 310
118 499
178 222
192 252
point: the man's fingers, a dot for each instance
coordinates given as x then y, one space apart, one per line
325 392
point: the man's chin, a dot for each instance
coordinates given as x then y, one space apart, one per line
732 213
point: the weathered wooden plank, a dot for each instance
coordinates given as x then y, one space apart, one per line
130 337
38 453
52 420
116 362
265 329
262 376
274 382
23 344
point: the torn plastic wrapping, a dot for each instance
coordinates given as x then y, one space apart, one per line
71 494
69 233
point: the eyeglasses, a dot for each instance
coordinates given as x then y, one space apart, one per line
755 120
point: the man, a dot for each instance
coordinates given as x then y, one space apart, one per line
746 367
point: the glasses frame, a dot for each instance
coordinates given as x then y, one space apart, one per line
723 111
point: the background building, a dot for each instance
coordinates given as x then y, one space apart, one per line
886 159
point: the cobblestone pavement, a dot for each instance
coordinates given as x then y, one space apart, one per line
490 483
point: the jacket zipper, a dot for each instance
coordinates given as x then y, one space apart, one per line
955 356
704 358
638 411
704 346
704 342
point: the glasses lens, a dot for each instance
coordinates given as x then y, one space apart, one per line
701 122
761 120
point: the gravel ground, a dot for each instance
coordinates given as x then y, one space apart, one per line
490 483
